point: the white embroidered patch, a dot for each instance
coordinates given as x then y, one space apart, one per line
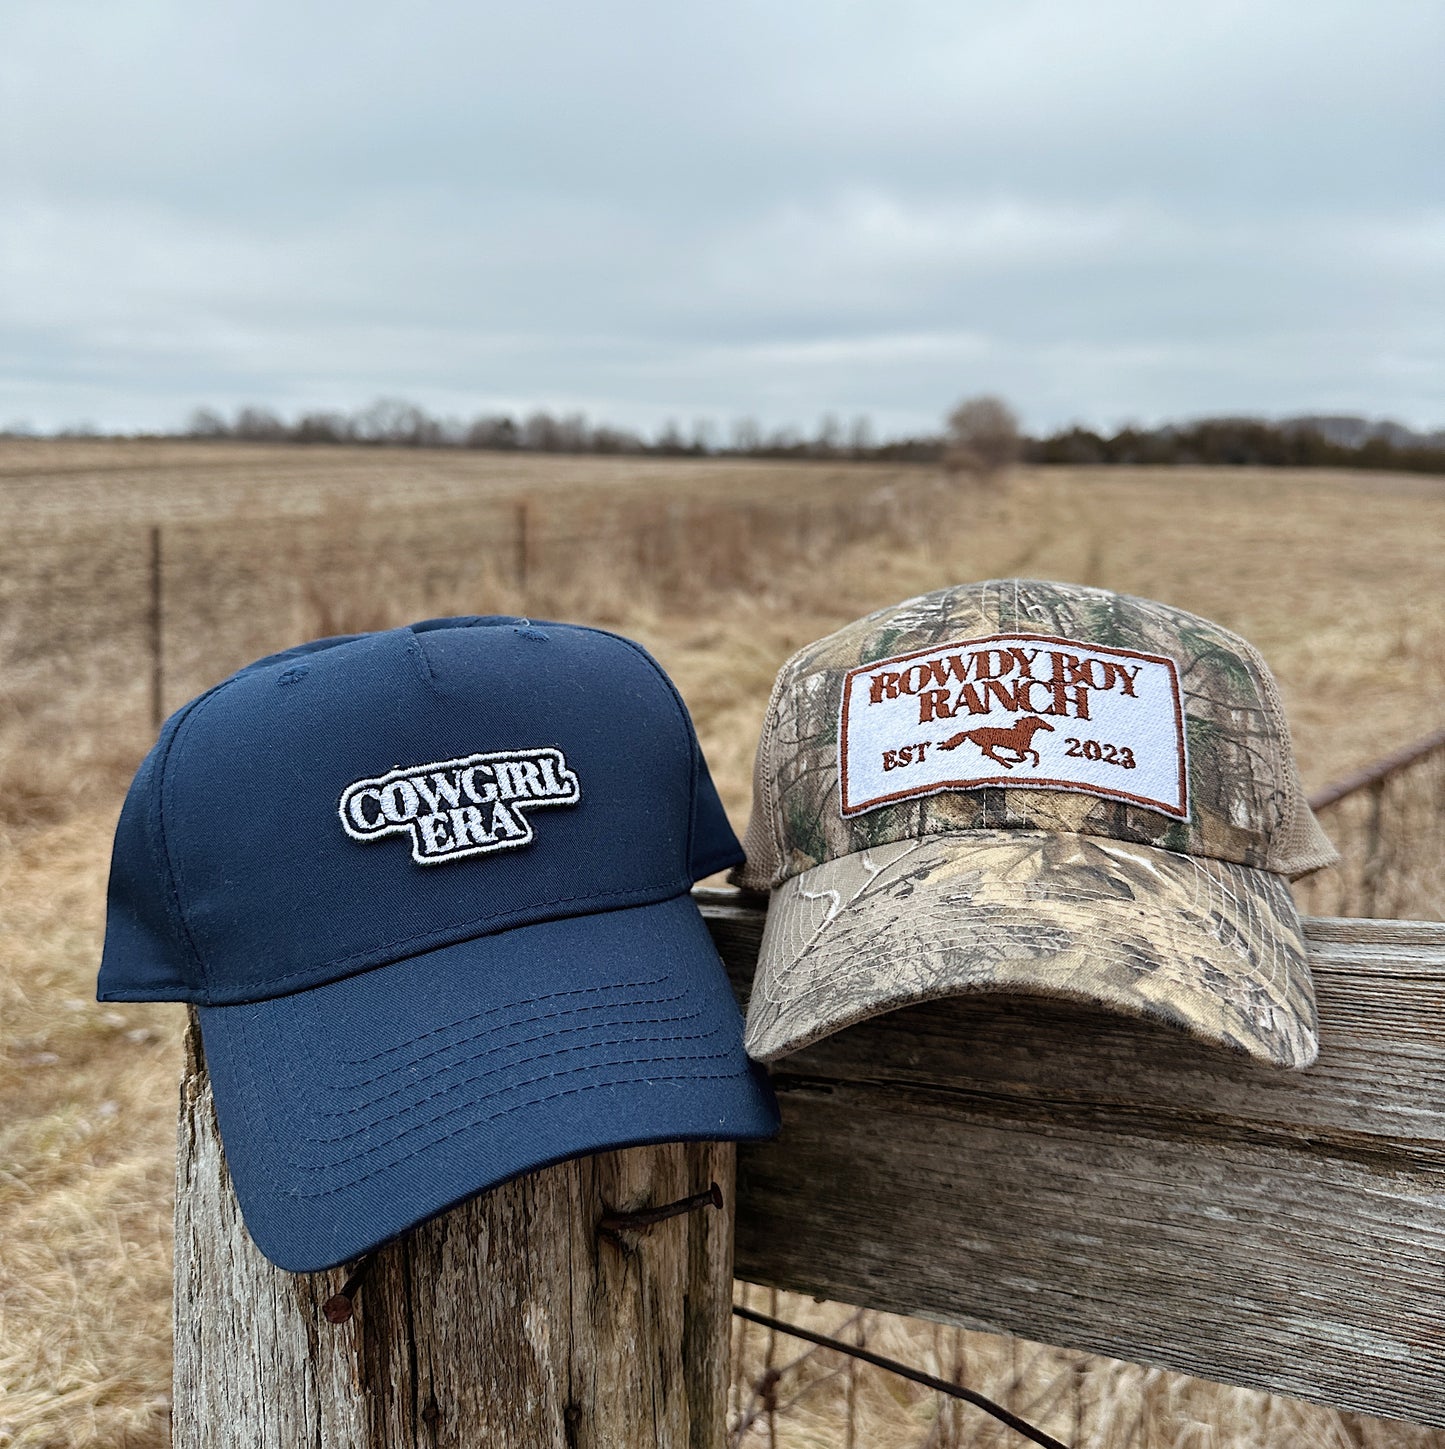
1025 710
456 808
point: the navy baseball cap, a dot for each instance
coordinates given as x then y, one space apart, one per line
428 890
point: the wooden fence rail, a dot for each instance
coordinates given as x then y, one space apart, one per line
1076 1178
1022 1166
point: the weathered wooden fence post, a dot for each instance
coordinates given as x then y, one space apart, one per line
510 1321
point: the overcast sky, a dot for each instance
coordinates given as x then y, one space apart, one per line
1105 210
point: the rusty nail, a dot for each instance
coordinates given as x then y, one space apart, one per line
614 1223
338 1308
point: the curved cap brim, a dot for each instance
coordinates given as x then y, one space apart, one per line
1211 947
353 1111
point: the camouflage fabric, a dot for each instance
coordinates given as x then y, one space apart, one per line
1208 946
1243 785
1009 882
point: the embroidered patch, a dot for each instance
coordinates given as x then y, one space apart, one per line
1024 710
456 808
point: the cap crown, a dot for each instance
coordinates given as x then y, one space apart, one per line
360 800
1028 705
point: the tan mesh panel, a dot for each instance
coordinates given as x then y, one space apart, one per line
1300 845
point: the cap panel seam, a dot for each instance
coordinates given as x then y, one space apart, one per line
1284 776
771 813
786 679
684 718
414 647
175 876
1273 710
694 767
1283 750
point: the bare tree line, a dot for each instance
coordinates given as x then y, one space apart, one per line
981 436
398 423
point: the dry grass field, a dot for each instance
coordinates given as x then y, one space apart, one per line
721 568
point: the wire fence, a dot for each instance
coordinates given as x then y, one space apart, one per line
1388 822
765 1391
108 626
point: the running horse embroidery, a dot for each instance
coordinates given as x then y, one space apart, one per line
1017 740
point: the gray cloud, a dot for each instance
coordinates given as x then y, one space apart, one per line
647 210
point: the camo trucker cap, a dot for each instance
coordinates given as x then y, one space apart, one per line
428 890
1031 787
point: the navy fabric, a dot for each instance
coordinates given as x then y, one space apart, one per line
353 1111
233 880
314 947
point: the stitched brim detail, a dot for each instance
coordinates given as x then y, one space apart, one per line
353 1111
1214 948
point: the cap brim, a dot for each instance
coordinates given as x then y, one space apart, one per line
1211 947
355 1110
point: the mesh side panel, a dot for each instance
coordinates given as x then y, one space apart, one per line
1300 845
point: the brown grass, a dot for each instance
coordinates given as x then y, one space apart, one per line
722 569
